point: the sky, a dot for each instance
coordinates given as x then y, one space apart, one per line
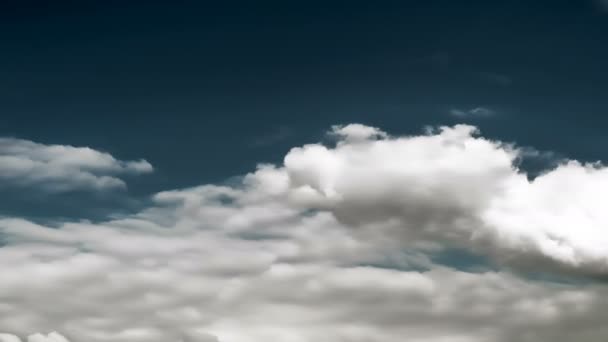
337 171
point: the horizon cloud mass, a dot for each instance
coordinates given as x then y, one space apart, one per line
336 244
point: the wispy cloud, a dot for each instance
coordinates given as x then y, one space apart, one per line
477 112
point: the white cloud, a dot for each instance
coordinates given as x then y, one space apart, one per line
9 338
357 132
457 189
287 255
51 337
58 168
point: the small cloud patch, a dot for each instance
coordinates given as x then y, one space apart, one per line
62 168
477 112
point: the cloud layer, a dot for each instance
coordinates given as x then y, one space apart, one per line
60 168
334 245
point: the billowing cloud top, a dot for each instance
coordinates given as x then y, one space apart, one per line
58 168
458 189
337 244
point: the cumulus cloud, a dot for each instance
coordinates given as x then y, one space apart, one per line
333 245
456 188
9 338
357 132
477 112
59 168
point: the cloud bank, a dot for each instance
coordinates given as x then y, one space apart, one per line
336 244
60 168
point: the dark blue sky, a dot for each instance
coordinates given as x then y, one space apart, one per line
205 91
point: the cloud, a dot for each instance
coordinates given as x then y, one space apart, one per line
333 245
60 168
477 112
9 338
51 337
357 132
455 188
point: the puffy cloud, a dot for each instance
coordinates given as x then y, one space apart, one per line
335 245
454 188
52 337
9 338
131 281
357 132
58 168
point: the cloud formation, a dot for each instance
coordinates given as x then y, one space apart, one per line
60 168
454 188
334 245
